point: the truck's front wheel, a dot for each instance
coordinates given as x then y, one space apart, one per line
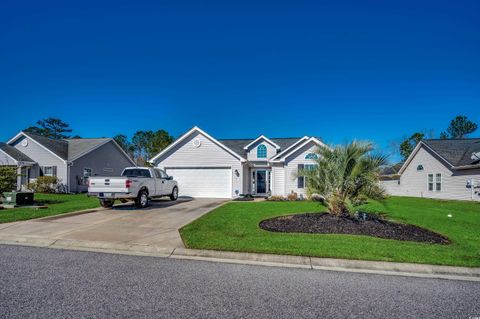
142 200
106 203
174 194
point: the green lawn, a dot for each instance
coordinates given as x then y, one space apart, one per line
57 204
234 227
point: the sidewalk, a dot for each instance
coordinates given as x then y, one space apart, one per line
359 266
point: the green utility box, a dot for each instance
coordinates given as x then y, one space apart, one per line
17 198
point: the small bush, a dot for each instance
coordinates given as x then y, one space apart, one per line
292 196
8 178
360 200
276 198
317 198
44 184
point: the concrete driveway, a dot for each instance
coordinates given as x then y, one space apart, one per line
124 224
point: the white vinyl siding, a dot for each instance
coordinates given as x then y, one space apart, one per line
207 155
415 183
291 168
253 151
278 180
44 158
6 159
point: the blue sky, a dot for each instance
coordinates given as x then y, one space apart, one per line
376 70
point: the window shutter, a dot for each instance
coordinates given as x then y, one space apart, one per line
300 179
54 171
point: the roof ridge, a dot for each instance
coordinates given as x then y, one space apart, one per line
271 138
87 138
451 139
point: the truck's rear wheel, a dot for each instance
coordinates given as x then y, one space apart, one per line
174 194
106 203
142 200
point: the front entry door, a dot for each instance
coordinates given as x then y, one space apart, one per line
261 182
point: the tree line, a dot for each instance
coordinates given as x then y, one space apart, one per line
460 127
142 146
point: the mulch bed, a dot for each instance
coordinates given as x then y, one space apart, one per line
318 223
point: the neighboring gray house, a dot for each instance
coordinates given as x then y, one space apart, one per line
207 167
438 168
71 160
10 156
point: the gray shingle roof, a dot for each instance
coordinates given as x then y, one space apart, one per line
392 169
79 146
237 145
68 149
458 152
59 147
14 153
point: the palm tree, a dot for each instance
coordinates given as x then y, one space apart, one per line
344 173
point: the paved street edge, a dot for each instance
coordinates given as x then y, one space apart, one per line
358 266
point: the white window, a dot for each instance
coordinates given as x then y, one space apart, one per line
438 182
420 167
261 151
49 171
430 182
312 156
303 180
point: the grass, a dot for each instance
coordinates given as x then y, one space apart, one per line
234 227
57 204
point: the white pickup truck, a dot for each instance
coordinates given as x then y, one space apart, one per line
136 183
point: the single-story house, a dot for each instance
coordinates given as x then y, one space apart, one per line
208 167
71 160
440 168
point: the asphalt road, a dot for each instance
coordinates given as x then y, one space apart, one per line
50 283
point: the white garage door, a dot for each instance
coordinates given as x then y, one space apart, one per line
203 182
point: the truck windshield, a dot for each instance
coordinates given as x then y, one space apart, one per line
136 172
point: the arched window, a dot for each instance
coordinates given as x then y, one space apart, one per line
420 167
311 156
261 151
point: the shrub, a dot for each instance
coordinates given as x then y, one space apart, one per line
360 200
343 172
45 184
8 178
292 196
317 198
276 198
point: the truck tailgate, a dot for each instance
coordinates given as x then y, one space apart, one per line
108 184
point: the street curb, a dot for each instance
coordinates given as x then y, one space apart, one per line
304 262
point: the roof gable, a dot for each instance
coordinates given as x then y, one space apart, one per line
261 138
238 145
304 141
59 148
455 153
67 149
187 134
14 153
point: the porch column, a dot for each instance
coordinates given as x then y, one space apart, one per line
19 178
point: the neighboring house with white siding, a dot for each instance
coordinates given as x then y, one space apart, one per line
207 167
440 168
71 160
